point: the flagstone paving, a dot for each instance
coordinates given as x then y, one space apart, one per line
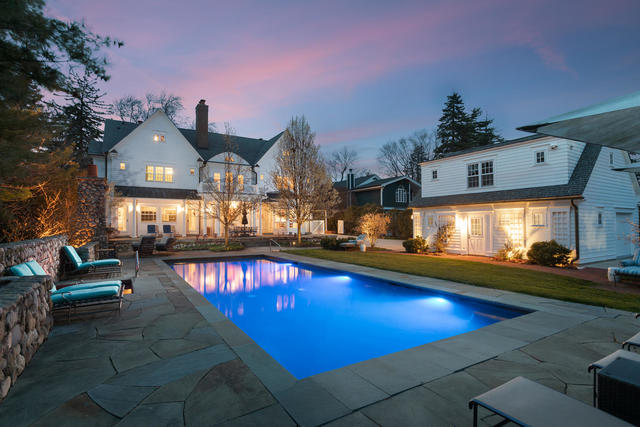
170 359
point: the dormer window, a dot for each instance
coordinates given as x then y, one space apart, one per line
158 137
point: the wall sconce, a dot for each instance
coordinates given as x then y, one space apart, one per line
130 207
180 209
138 208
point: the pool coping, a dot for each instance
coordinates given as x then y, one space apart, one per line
324 397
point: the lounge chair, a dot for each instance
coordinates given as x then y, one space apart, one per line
629 270
167 245
72 297
528 403
606 361
354 243
146 246
168 229
152 229
102 267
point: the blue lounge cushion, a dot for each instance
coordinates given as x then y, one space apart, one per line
629 271
89 285
99 263
36 268
20 270
73 255
84 294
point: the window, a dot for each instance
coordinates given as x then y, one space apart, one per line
159 173
434 174
472 176
168 174
123 166
600 219
158 137
476 226
538 218
228 178
169 214
446 220
487 173
121 219
611 159
229 159
560 227
540 157
430 220
216 179
261 177
192 171
149 173
401 195
147 214
254 178
241 182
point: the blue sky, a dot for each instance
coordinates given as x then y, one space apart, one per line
365 72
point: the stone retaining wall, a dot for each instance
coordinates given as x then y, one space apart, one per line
47 251
25 322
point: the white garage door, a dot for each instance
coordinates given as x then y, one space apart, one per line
624 246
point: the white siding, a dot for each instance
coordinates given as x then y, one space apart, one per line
514 167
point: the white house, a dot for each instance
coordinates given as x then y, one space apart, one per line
531 189
158 172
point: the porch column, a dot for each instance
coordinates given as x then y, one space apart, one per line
202 220
184 217
260 218
134 232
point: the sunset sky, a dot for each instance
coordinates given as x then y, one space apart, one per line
364 72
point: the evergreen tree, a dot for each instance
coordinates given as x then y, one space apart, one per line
459 130
82 115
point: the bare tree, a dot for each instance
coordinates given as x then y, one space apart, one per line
128 108
132 109
340 161
300 175
226 199
403 157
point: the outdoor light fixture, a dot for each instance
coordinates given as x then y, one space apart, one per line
130 207
180 208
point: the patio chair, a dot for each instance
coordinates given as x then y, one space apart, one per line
528 403
102 267
146 246
354 243
168 229
606 361
152 229
167 245
633 262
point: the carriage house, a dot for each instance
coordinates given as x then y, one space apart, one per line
531 189
159 173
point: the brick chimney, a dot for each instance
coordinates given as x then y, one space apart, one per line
202 124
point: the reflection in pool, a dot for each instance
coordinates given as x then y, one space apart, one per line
314 320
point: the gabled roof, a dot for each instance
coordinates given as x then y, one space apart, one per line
573 189
384 181
359 181
250 149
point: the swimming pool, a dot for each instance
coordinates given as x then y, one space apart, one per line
313 320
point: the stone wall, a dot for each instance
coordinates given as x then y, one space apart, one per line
91 216
25 322
47 251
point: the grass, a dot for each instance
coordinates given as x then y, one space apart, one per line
513 279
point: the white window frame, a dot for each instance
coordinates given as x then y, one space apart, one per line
476 220
401 195
158 171
434 174
167 214
478 164
159 137
600 218
544 157
543 217
148 209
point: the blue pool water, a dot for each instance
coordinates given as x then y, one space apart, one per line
314 320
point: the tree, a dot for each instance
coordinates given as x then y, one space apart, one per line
132 109
226 200
403 157
459 130
340 161
82 116
374 225
300 175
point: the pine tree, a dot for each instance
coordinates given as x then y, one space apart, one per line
459 130
82 116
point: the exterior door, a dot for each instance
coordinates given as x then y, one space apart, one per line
477 234
192 220
624 231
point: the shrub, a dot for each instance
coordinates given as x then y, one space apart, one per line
232 246
332 243
509 252
374 225
443 234
416 246
549 253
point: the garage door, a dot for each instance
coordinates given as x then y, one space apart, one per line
624 246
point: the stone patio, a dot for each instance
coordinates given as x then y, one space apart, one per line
171 358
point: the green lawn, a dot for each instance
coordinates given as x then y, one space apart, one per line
487 275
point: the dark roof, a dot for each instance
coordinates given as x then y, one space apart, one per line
156 193
379 182
359 181
250 149
491 146
573 189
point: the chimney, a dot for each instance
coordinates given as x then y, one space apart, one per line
351 182
202 124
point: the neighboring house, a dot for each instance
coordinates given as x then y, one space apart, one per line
531 189
159 171
390 193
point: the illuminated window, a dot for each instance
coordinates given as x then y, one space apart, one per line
228 179
158 137
149 173
216 179
159 173
261 177
123 166
538 219
241 182
446 220
169 214
147 214
229 159
476 226
192 171
168 174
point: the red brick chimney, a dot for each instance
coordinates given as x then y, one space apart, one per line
202 124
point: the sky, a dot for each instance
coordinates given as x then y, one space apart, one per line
366 72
